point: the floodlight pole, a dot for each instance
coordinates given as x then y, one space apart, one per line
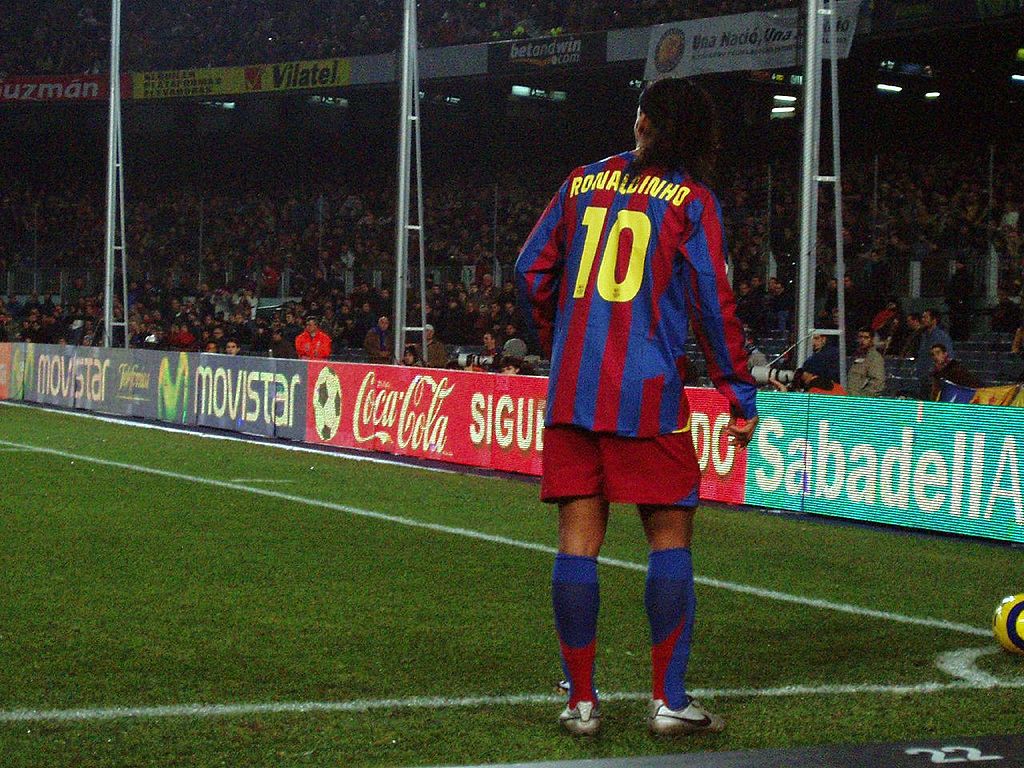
837 185
408 133
115 234
809 178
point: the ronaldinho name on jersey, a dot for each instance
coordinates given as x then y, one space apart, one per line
617 181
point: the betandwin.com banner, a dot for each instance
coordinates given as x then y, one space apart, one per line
523 56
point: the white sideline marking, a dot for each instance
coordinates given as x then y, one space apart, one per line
494 539
326 450
259 480
431 702
961 665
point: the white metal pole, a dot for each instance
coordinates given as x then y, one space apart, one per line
992 278
420 232
402 203
837 183
809 179
121 225
113 131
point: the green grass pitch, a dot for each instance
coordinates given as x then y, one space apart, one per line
125 588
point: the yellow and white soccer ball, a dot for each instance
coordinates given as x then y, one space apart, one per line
1008 623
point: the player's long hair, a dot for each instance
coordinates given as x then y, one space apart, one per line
684 128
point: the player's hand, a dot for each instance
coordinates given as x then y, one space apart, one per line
741 434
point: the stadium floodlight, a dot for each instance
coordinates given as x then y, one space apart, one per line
1017 78
932 95
783 110
784 98
886 88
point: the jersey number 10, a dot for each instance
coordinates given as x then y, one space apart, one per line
608 288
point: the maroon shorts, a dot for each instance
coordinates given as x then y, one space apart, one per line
659 470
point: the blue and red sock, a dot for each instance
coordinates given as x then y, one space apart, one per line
671 602
575 598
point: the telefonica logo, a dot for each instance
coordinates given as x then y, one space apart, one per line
23 366
172 390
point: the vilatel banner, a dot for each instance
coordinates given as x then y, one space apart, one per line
742 41
236 81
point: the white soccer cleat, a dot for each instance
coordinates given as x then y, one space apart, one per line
663 721
581 720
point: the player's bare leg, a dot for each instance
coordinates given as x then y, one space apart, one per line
582 523
667 527
574 595
671 603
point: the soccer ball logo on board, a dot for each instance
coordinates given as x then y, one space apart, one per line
327 404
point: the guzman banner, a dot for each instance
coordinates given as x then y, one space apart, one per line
760 40
30 88
236 81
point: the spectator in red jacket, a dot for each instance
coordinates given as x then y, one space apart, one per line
313 343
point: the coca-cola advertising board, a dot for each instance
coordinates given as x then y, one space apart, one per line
479 419
474 419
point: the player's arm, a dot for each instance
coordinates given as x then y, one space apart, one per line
713 318
539 272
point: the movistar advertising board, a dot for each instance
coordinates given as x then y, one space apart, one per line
255 395
934 466
938 466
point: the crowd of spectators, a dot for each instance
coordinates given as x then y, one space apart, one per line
72 36
229 245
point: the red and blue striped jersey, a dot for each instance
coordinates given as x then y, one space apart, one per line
615 274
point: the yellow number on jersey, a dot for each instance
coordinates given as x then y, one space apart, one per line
608 288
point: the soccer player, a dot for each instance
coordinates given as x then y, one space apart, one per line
626 260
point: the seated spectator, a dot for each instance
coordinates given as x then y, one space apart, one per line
949 369
825 357
437 354
1006 314
514 366
490 344
279 346
378 342
911 342
755 357
313 343
232 347
811 380
411 356
867 371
